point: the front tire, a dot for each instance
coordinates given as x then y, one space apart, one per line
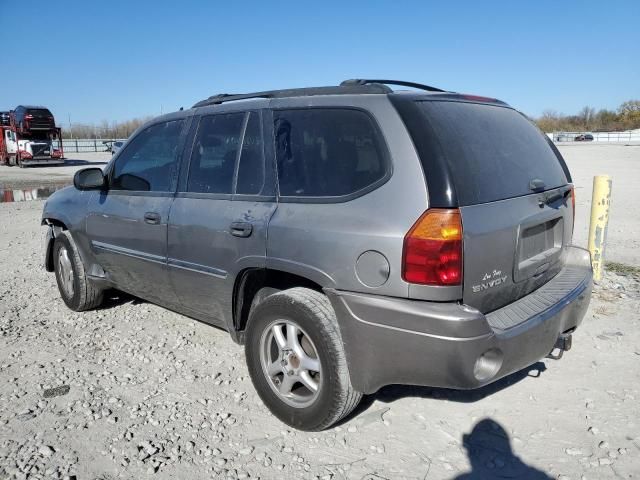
296 360
76 290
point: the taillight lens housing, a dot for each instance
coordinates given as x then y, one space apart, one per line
432 252
573 205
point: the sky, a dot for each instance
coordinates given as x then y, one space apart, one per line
92 61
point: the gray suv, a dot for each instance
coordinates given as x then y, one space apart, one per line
350 237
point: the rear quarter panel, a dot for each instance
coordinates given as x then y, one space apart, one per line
323 241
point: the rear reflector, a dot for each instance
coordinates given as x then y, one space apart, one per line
432 253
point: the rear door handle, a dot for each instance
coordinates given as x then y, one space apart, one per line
152 218
241 229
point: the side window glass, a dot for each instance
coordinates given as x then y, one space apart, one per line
150 161
251 172
214 154
326 152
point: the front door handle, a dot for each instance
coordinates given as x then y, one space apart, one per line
241 229
152 218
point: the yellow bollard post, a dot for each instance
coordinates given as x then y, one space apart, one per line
600 203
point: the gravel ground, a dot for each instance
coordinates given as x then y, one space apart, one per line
55 175
136 391
622 164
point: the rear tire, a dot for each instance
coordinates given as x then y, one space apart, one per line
76 290
293 344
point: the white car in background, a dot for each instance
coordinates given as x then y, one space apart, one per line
115 147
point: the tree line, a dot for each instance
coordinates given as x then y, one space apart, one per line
626 117
105 129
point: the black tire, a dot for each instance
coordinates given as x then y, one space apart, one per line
314 314
85 295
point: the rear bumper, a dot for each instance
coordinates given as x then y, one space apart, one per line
399 341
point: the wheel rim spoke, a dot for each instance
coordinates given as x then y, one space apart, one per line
274 368
310 364
292 336
308 381
286 385
281 341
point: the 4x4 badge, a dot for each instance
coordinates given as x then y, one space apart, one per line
490 280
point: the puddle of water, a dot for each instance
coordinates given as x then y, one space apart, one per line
27 194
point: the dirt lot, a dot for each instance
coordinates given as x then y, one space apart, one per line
147 393
44 176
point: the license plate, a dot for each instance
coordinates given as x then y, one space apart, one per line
539 245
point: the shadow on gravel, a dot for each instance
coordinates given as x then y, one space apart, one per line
392 393
75 163
489 450
114 298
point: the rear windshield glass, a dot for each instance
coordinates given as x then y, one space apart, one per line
493 152
39 112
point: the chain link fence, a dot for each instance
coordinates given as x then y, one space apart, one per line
629 136
79 145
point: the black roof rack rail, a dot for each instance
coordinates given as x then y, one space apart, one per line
419 86
296 92
227 97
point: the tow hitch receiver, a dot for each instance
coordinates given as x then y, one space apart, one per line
563 344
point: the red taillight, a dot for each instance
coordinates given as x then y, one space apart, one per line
478 98
432 253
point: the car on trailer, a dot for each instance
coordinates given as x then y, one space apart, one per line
29 119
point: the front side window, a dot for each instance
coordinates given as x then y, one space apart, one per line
327 152
214 154
150 161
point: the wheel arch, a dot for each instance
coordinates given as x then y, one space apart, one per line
55 227
251 282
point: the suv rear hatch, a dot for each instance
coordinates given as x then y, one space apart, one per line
511 185
41 119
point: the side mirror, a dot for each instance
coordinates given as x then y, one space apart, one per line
89 179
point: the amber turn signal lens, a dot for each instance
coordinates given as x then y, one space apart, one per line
432 253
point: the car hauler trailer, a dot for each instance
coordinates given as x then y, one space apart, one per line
8 145
33 141
43 149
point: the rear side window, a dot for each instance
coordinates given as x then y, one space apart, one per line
327 152
214 155
493 152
